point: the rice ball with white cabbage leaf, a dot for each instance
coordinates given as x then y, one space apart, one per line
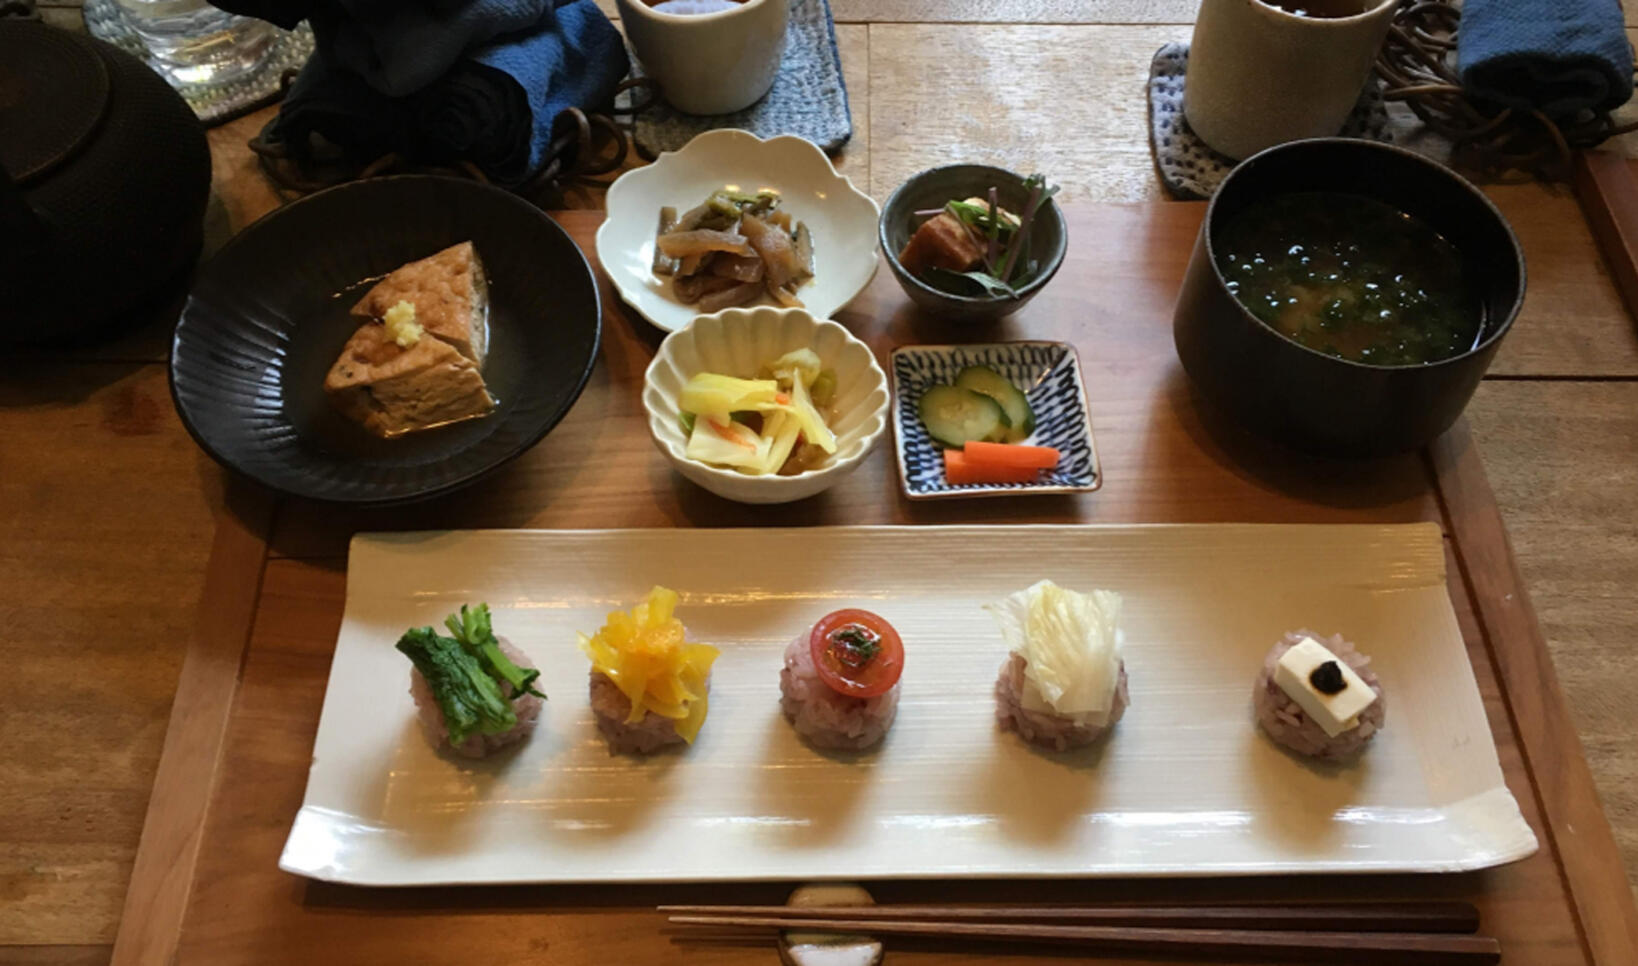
1064 684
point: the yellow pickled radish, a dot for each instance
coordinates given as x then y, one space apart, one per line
646 654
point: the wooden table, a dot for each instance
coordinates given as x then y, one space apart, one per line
98 592
206 888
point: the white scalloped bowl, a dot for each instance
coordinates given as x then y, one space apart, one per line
841 217
736 342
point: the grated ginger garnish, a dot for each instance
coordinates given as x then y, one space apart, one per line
401 325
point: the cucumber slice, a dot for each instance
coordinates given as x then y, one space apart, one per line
953 415
1020 417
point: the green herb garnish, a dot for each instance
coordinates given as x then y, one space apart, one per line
857 646
981 218
470 699
686 421
724 207
472 630
991 285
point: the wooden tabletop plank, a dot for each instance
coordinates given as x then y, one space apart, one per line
194 738
1064 100
103 540
1574 818
245 912
1608 191
1574 322
1562 458
55 955
853 160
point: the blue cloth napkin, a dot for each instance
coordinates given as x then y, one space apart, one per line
1562 57
493 104
398 46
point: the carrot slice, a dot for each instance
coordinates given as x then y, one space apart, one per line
727 433
959 469
1011 454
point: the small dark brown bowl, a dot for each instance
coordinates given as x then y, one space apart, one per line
1317 402
1049 237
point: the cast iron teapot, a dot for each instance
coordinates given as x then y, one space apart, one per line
104 176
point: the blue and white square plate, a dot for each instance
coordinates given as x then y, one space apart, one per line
1050 375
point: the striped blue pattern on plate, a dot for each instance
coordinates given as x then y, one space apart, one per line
1050 375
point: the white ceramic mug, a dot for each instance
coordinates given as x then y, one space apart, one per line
710 63
1260 76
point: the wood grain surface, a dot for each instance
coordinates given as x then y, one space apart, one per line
102 547
1567 493
1573 323
1012 93
1572 816
1560 453
175 820
1608 190
107 522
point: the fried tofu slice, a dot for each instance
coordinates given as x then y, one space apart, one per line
451 297
393 389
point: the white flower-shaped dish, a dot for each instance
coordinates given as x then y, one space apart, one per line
840 216
737 342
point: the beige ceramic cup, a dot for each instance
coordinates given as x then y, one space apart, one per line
1260 76
712 63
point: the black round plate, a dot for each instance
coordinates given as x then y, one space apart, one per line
269 314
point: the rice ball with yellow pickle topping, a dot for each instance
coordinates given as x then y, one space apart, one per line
649 684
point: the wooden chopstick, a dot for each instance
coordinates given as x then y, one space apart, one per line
1404 949
1440 917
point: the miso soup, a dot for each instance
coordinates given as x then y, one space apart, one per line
1352 277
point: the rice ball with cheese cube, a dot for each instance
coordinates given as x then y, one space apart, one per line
1064 684
1318 696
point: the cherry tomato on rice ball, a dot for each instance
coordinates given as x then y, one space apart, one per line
857 653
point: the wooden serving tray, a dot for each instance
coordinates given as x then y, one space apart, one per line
206 887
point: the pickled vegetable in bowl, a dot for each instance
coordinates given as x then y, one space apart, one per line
974 246
732 249
777 423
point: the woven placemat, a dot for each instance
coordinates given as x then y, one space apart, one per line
1189 167
213 103
808 98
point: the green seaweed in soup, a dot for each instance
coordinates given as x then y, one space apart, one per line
1351 277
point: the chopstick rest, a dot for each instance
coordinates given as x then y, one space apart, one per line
799 947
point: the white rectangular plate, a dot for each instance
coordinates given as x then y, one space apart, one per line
1186 785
